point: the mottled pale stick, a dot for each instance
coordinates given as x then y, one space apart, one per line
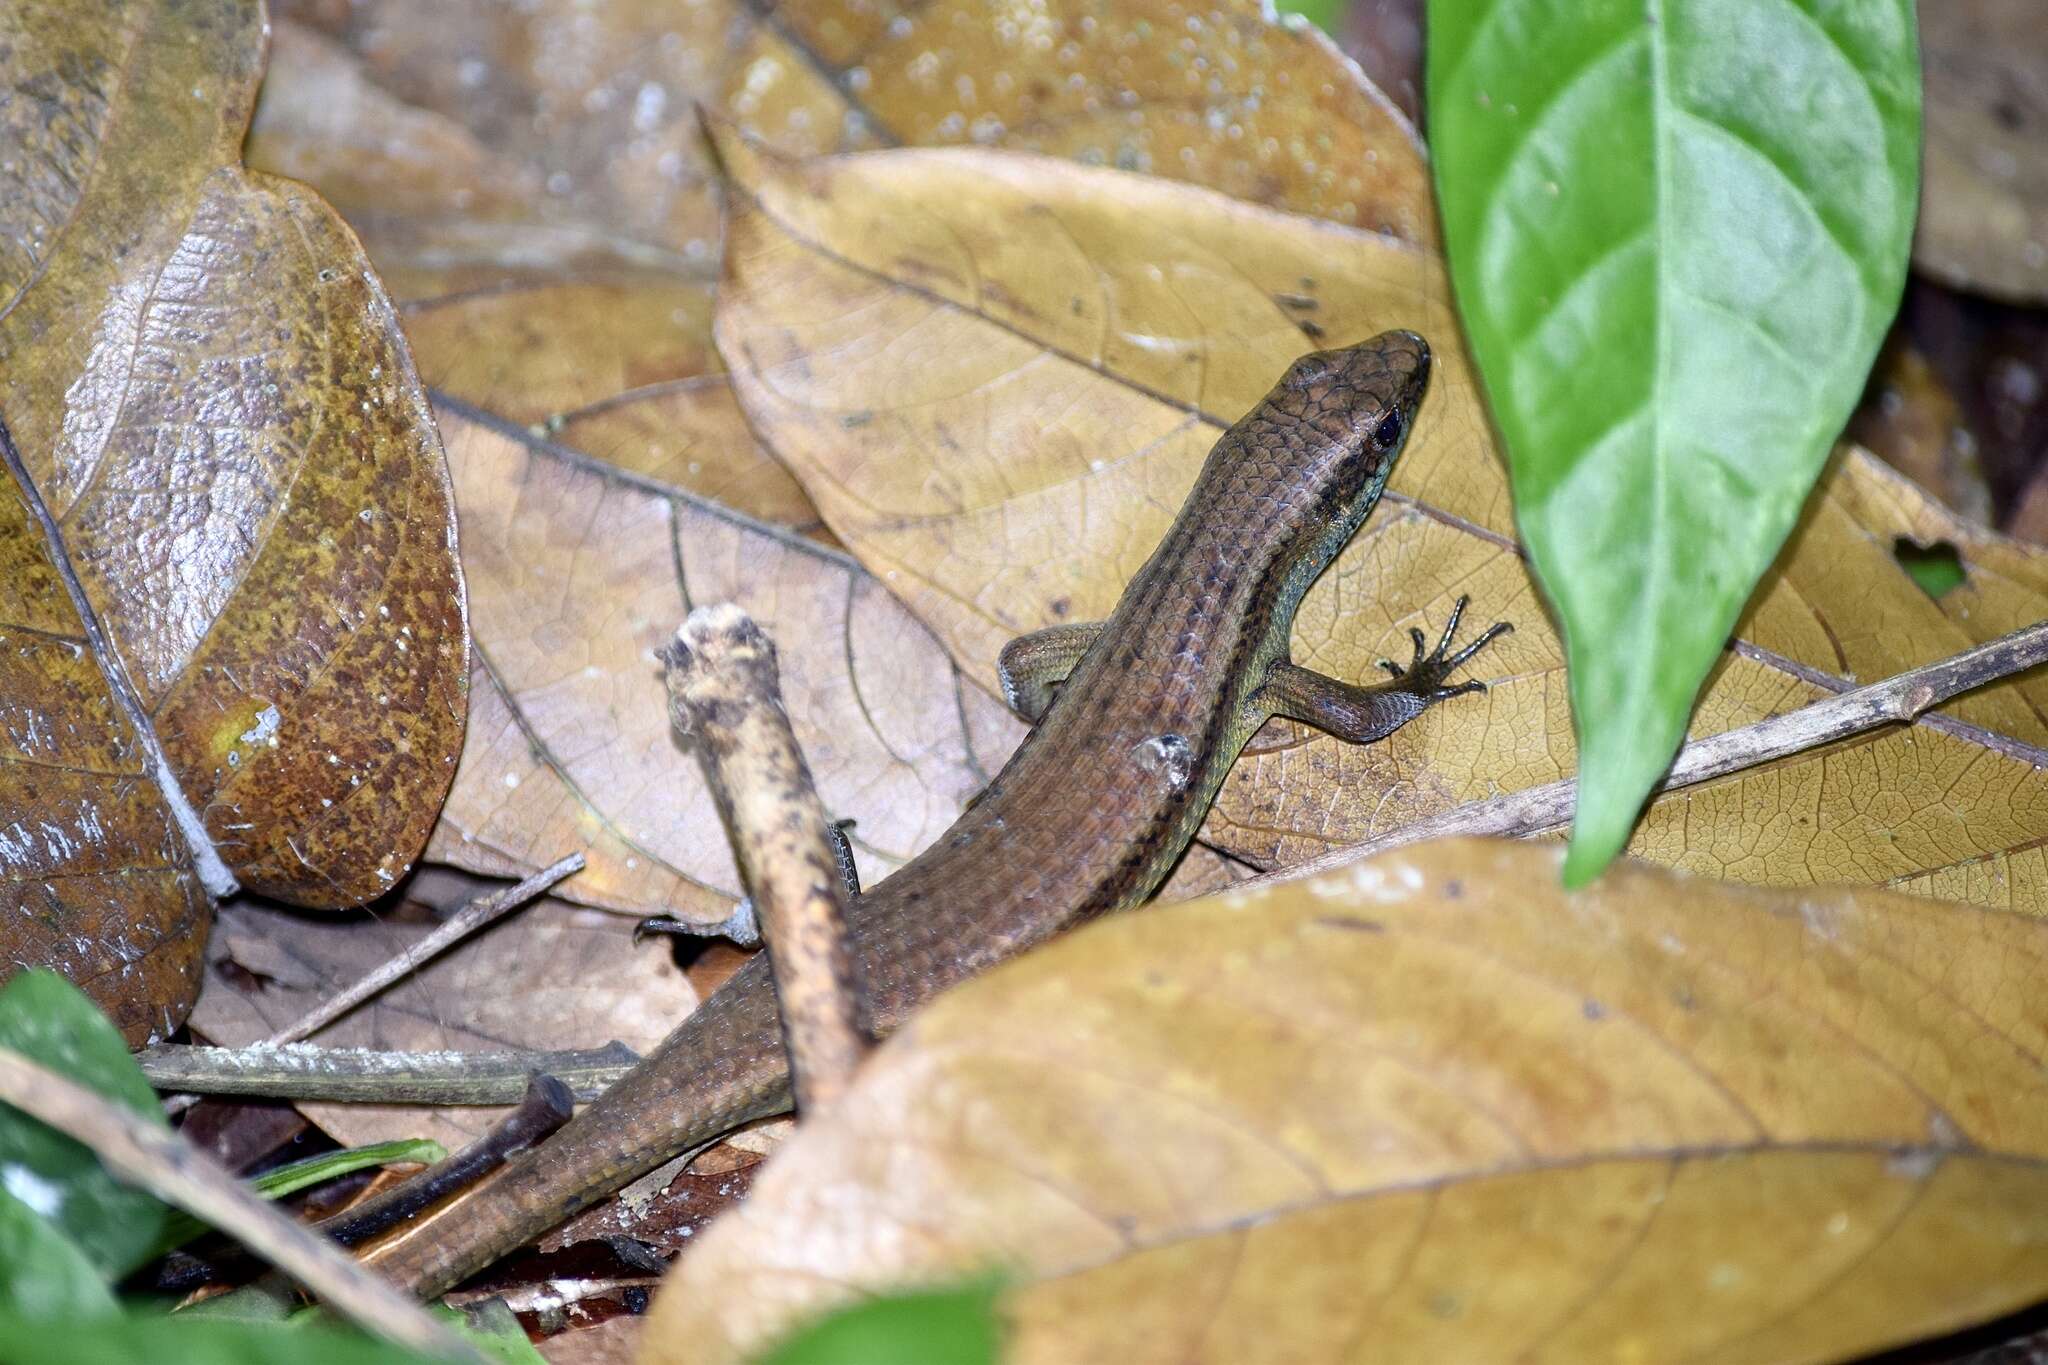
724 689
469 919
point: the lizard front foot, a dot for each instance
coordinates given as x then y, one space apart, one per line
1425 674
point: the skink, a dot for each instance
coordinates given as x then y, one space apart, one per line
1138 720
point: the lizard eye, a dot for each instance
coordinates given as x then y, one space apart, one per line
1387 432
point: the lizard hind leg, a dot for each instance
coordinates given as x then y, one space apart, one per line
1031 667
1361 715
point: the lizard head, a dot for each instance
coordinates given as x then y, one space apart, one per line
1326 438
1359 399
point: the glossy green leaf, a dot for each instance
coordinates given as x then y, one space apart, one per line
43 1273
180 1227
1677 230
931 1327
46 1018
182 1341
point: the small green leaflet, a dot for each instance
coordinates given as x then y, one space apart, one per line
1678 230
307 1172
921 1327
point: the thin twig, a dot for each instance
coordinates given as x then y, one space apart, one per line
458 926
302 1071
175 1171
1897 700
723 688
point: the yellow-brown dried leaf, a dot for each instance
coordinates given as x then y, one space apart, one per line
996 376
1214 93
215 420
1437 1108
1910 420
577 575
95 880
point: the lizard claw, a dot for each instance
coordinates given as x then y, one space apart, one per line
1426 676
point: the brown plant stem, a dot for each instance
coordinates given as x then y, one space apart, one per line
724 690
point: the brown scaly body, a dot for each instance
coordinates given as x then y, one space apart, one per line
1087 817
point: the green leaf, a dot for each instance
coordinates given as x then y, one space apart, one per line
493 1328
315 1170
46 1018
180 1341
929 1327
1677 231
43 1273
180 1228
1936 569
1324 14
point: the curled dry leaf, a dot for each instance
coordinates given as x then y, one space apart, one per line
1984 203
226 463
1436 1108
578 574
996 376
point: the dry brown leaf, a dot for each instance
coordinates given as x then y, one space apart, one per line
996 376
1984 199
552 976
1436 1108
507 199
1215 93
95 878
530 180
587 113
577 574
531 283
215 422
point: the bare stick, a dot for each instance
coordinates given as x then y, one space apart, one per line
175 1171
1898 699
302 1071
458 926
723 688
